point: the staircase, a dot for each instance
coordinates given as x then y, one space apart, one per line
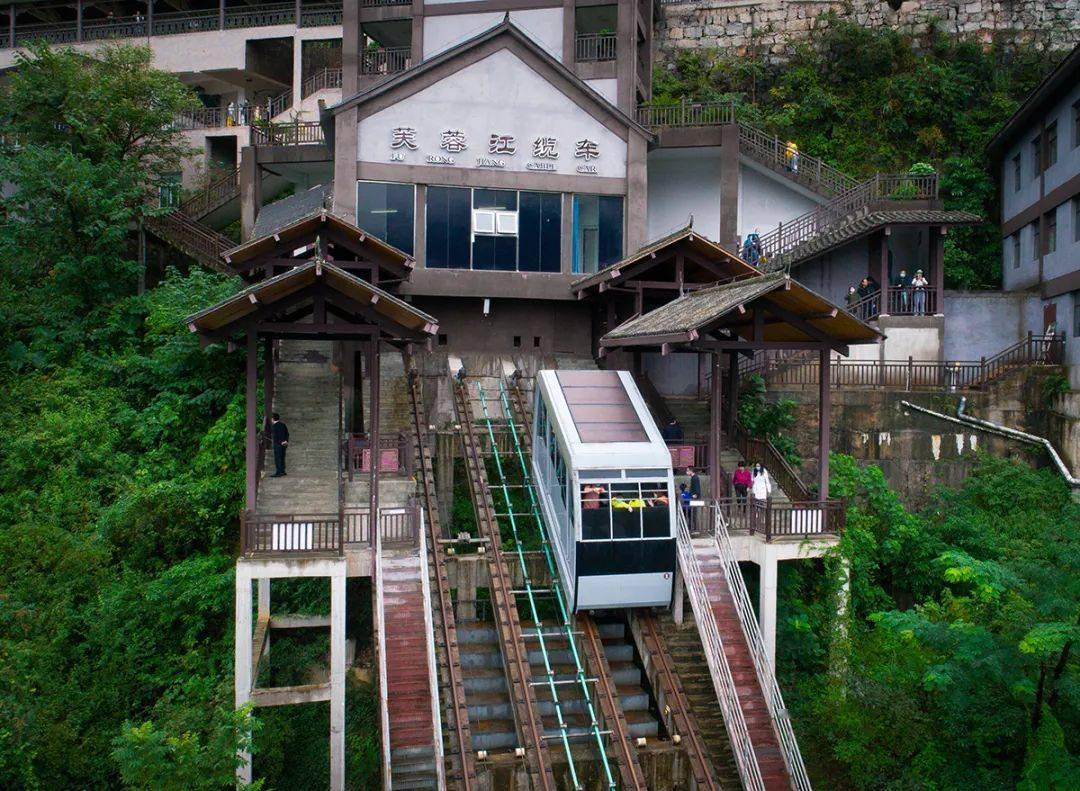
491 716
757 721
191 238
214 196
409 676
814 173
306 393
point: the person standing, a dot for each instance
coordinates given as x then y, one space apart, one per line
672 432
230 114
918 292
792 152
695 483
684 501
741 481
279 435
901 283
761 487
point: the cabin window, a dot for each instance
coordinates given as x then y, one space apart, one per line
624 511
598 231
386 210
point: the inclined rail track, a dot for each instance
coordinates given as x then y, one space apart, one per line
515 654
630 770
463 770
676 699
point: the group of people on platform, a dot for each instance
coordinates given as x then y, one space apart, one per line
909 296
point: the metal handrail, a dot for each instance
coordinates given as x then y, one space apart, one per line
433 684
385 60
686 114
781 718
379 624
594 47
324 79
216 193
773 151
719 669
781 243
786 475
296 133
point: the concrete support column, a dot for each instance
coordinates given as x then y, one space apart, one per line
767 604
221 14
78 20
569 37
417 31
937 250
729 187
637 189
11 26
625 26
345 153
350 47
242 662
250 192
264 612
337 680
298 66
882 275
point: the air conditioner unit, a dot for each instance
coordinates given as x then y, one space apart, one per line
506 222
483 221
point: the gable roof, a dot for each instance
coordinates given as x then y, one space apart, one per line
729 262
250 300
733 305
308 226
507 30
280 213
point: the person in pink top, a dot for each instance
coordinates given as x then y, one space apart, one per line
741 481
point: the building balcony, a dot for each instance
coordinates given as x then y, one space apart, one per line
170 23
594 47
385 60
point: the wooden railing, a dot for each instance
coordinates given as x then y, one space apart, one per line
908 375
203 244
385 60
395 454
773 151
592 47
321 80
215 194
775 519
754 449
290 533
294 133
781 244
171 23
686 114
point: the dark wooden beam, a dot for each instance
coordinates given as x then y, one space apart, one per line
824 406
250 401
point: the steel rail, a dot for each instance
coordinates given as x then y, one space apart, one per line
515 656
675 697
447 627
556 587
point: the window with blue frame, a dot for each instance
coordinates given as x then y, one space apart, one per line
385 210
598 232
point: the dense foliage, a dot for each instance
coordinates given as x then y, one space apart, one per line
956 666
875 99
121 470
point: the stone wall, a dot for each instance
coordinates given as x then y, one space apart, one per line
769 27
916 451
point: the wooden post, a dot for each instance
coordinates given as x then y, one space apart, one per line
252 430
883 276
149 18
78 20
733 392
939 270
11 26
268 381
714 427
373 435
297 12
824 403
221 14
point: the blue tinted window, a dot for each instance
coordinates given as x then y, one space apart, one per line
386 211
598 229
539 232
448 227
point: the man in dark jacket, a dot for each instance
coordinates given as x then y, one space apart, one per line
695 483
279 434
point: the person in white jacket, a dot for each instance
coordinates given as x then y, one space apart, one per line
762 485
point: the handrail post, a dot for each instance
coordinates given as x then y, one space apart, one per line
982 370
910 372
